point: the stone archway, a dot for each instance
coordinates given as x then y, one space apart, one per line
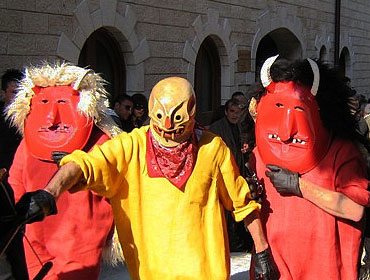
121 25
220 31
286 31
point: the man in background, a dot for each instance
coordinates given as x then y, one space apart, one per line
9 139
123 107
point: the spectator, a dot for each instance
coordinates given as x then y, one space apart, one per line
140 113
9 139
246 127
123 108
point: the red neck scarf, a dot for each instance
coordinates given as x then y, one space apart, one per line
176 164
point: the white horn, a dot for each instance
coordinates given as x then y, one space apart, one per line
265 70
84 72
316 76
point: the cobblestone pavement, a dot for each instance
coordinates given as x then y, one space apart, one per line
240 263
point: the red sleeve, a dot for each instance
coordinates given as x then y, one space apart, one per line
350 174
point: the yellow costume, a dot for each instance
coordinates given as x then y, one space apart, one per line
167 233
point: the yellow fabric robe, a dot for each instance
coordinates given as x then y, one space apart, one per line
166 233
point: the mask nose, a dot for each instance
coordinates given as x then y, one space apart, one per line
167 123
288 125
53 116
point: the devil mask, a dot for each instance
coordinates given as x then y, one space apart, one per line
289 131
54 123
172 111
57 106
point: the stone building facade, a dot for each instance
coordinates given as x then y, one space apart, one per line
217 45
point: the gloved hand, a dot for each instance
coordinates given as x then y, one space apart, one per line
264 266
57 156
257 192
35 206
284 180
364 273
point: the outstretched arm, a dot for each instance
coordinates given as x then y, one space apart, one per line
35 206
68 176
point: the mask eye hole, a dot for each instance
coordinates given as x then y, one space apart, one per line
159 115
279 105
178 117
62 101
45 101
299 108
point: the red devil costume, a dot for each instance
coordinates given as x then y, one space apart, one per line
314 177
59 108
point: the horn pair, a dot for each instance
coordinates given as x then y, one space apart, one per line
266 77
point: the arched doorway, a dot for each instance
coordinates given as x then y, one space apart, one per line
279 41
102 53
207 82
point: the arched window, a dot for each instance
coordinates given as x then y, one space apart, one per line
102 53
207 84
344 62
323 55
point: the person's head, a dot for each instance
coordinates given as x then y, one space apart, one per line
123 107
233 111
9 84
172 111
303 102
241 99
56 106
140 106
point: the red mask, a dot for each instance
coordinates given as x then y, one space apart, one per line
289 131
54 123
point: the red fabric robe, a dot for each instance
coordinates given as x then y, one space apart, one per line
74 238
306 242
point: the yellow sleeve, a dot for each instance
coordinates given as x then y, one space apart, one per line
236 187
105 166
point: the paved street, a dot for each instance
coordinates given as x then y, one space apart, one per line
239 269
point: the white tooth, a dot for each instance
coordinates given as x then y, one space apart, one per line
278 138
303 142
294 141
270 136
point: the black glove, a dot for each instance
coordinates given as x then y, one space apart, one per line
35 206
264 266
57 156
364 273
285 181
257 192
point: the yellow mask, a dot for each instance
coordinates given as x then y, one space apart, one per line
172 111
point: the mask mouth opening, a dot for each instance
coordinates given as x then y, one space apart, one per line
169 134
275 138
55 128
